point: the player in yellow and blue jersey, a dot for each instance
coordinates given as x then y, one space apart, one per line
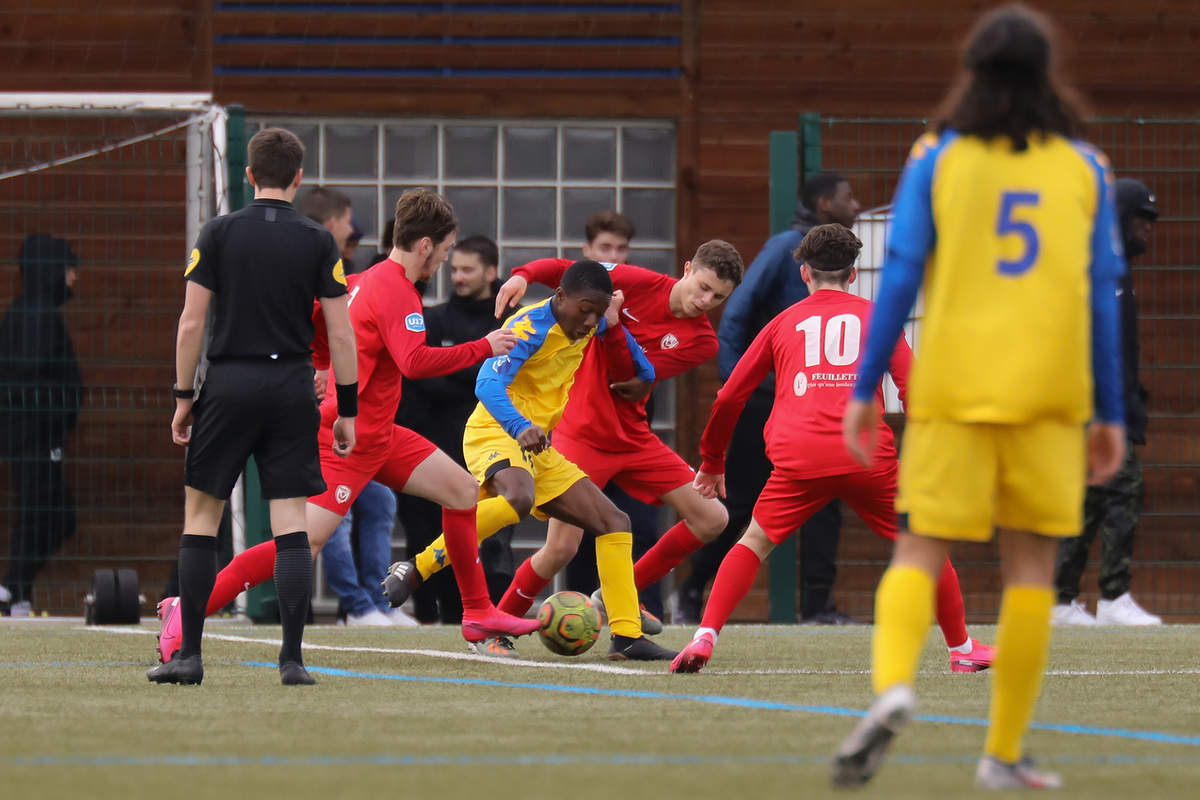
507 447
1009 223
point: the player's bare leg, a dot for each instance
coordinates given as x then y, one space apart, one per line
701 520
586 507
440 479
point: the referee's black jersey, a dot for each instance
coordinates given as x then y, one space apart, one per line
265 265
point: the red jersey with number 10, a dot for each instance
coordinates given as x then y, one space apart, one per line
672 344
815 348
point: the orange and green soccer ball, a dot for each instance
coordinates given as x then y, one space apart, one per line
570 623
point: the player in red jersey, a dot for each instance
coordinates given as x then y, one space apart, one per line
605 430
814 348
386 314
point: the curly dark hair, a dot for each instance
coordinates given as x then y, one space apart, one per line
1008 85
830 250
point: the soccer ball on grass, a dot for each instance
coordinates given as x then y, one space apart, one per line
570 623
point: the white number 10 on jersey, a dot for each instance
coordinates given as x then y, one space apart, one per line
843 341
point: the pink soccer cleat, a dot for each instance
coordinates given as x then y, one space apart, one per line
693 657
171 635
979 659
493 623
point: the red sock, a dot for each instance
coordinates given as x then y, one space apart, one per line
521 592
668 553
951 615
248 568
458 526
734 579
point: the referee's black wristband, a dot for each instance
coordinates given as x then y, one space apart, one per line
347 399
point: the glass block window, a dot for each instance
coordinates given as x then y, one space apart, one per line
527 184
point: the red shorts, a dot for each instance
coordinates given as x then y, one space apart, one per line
389 458
646 473
786 503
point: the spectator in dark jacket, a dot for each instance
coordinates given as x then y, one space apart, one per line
772 283
1112 510
40 394
438 409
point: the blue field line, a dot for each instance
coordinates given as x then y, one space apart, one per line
446 72
536 759
527 41
452 8
746 702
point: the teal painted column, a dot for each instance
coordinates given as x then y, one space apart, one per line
784 189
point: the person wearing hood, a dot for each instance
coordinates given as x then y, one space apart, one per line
40 394
772 283
438 408
1112 510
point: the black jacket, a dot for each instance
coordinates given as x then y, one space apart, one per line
1136 417
438 408
40 385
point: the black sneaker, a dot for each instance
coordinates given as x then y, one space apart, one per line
830 617
624 648
184 671
293 673
402 579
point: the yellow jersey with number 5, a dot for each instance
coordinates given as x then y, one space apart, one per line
1011 242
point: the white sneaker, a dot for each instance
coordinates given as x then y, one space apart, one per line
373 619
5 594
24 608
1124 611
861 753
1075 613
992 773
398 618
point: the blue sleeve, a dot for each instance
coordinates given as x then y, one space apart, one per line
645 370
911 238
734 333
1107 269
495 376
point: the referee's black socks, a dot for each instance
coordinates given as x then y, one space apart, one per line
197 573
293 586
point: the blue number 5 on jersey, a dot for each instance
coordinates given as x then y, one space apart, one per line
1007 225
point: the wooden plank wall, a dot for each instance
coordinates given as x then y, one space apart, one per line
729 71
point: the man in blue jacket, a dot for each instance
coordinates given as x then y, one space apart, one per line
772 283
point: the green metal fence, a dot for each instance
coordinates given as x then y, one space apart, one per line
1164 154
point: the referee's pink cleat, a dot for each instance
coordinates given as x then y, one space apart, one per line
171 635
492 622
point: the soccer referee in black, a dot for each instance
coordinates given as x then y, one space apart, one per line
260 270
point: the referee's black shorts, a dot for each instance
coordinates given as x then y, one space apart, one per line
266 409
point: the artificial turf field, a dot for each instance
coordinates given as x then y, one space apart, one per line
407 713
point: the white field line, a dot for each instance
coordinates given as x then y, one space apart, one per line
443 654
608 668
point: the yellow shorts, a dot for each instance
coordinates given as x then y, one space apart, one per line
962 480
490 449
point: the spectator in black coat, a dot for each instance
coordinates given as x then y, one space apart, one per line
40 394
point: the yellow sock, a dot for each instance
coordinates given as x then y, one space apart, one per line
614 562
492 514
1022 646
903 613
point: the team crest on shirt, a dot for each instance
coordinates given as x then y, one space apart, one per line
669 342
415 323
342 494
498 364
193 260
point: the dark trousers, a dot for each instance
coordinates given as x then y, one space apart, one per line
580 574
437 599
1112 511
746 471
44 518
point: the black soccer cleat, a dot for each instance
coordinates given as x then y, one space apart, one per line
184 671
293 673
402 579
625 648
